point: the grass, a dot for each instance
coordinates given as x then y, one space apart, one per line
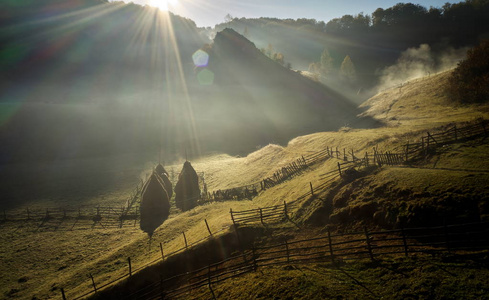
41 262
420 103
395 278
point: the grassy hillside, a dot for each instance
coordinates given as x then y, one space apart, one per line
42 261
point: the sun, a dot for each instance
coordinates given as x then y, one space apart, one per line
163 4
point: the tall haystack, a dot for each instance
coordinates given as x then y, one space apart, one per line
160 170
155 205
187 190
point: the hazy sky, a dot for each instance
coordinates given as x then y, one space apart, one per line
211 12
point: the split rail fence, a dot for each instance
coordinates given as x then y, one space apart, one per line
186 245
284 173
270 214
332 248
402 155
81 217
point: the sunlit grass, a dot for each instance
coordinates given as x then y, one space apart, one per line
51 260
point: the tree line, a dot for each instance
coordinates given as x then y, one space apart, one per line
371 41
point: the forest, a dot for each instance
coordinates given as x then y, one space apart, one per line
373 41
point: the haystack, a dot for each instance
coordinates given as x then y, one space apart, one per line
187 190
160 170
155 205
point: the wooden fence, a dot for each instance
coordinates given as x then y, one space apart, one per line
75 218
401 155
270 214
284 173
186 245
372 245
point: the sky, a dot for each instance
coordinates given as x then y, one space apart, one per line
211 12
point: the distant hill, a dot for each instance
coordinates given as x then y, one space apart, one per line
373 40
269 100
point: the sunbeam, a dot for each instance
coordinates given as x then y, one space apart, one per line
163 5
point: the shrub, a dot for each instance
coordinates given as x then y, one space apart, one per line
469 83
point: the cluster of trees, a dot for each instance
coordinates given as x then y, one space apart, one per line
372 41
325 69
408 24
270 52
469 83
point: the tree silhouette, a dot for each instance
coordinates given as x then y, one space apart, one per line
469 82
347 69
326 63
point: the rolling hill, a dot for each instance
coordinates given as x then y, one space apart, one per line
455 176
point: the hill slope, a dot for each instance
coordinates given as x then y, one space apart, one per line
419 188
448 186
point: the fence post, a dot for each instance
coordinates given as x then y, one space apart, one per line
161 250
285 211
255 266
185 239
93 282
352 155
130 266
337 153
312 190
407 151
339 168
209 282
261 217
207 225
63 294
330 246
232 217
404 241
344 155
369 247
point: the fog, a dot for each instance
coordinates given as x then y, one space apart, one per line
419 62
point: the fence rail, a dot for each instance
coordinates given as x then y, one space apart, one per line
401 155
164 255
327 248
